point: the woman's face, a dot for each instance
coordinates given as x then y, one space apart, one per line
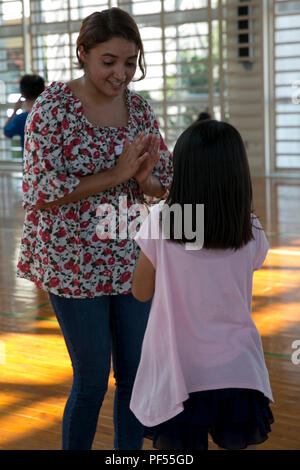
110 66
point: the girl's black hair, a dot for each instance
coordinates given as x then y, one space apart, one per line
211 168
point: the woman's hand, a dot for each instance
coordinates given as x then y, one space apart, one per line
146 167
131 159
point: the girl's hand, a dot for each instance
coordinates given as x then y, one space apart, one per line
131 158
149 163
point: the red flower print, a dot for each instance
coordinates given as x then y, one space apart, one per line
69 265
32 126
125 276
107 288
111 261
45 130
90 166
62 177
99 287
125 262
99 262
54 111
107 273
25 187
65 123
54 282
42 195
90 131
45 236
67 150
62 232
84 224
47 165
60 249
38 284
66 291
71 214
76 269
54 210
87 258
36 117
85 206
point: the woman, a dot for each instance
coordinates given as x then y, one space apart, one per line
88 143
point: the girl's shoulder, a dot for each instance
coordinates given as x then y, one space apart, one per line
256 224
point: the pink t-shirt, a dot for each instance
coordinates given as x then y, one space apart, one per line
200 334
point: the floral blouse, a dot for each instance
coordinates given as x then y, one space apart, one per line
60 249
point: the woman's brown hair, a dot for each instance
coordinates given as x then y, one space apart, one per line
104 25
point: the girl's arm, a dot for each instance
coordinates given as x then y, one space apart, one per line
143 283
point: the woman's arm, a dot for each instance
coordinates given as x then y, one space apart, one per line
143 283
128 163
88 186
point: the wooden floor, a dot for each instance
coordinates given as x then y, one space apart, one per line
35 372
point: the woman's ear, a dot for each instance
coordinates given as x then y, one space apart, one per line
81 53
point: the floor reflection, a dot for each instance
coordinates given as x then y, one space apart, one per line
36 374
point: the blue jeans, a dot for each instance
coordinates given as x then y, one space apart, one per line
94 328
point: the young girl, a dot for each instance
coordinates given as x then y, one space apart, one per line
202 368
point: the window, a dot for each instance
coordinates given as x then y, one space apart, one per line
287 84
202 55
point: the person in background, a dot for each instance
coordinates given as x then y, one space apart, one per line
203 116
31 86
202 368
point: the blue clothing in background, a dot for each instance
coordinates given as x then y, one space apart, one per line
16 127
